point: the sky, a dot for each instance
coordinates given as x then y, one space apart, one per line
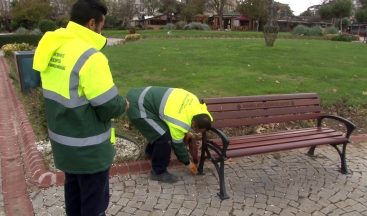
298 6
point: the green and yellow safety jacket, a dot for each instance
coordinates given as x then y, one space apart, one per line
80 98
174 106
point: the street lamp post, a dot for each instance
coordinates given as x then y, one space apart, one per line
271 28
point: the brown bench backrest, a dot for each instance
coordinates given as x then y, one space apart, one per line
262 109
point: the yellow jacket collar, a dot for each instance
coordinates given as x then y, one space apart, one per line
93 38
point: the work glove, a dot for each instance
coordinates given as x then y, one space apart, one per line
192 168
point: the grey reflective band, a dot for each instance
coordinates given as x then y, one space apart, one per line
74 76
143 113
155 126
167 118
103 98
164 101
79 142
69 103
177 141
75 100
177 122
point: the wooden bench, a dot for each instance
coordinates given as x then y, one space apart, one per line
257 110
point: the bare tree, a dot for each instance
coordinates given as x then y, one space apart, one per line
218 7
151 7
126 11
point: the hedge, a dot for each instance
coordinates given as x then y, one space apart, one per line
14 38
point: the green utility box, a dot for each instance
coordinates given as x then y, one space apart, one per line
28 78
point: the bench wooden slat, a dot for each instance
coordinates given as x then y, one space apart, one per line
280 135
275 135
263 120
281 146
238 143
213 108
259 98
265 112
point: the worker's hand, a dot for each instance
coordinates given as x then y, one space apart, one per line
188 138
192 168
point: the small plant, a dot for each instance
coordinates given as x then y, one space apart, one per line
132 37
8 49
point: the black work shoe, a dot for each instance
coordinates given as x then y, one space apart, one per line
164 177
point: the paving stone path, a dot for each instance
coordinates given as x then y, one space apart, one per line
285 183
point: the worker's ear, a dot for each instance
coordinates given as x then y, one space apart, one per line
91 24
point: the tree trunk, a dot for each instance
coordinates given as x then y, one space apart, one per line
221 22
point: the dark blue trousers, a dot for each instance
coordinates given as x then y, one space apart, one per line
87 194
160 153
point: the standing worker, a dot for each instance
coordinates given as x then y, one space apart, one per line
164 116
80 101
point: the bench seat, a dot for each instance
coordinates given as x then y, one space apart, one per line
272 142
242 111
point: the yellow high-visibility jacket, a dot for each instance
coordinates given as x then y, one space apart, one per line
80 98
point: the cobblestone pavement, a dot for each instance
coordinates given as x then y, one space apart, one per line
285 183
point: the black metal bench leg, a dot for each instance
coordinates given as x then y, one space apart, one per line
202 159
311 151
222 185
342 154
343 168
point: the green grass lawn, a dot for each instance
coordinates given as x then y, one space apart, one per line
231 67
197 34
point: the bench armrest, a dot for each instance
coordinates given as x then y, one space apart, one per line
348 124
223 137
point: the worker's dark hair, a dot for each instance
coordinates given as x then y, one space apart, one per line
202 121
84 10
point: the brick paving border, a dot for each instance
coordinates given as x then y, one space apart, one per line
14 186
21 145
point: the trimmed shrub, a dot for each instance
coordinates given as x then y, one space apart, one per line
21 31
46 25
132 37
169 26
132 30
35 31
14 38
315 31
307 31
196 26
345 37
300 30
331 30
180 25
330 36
9 48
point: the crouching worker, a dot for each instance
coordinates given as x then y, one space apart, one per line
164 117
